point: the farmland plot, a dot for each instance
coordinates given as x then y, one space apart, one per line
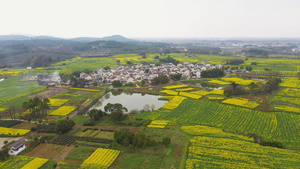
51 151
269 125
101 158
215 149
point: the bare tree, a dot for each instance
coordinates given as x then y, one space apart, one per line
12 111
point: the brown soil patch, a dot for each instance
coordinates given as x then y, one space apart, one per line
48 93
27 126
83 93
263 107
255 97
52 152
116 161
39 151
52 117
72 104
63 154
177 151
132 129
63 87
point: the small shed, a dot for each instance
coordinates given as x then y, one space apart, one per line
17 148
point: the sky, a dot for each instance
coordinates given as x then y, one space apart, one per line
151 18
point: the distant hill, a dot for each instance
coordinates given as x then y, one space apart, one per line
85 39
13 37
117 38
23 37
46 37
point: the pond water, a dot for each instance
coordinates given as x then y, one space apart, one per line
132 101
258 79
207 87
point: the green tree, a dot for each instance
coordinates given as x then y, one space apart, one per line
116 83
249 68
160 80
63 126
4 154
116 116
228 92
216 72
106 68
37 107
143 82
166 141
252 86
115 107
176 76
95 114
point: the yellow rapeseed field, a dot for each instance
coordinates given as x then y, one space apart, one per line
175 86
101 159
238 101
57 102
169 92
13 132
36 163
63 111
173 103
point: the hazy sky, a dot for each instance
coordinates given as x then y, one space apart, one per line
151 18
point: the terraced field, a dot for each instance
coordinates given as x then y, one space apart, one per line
269 125
212 148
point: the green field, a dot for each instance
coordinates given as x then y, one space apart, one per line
133 160
81 153
12 91
88 63
265 124
285 66
212 148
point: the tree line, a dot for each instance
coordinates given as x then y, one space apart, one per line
137 140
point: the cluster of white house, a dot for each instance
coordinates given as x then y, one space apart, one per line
137 73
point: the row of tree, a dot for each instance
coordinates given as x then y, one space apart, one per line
138 140
216 72
36 107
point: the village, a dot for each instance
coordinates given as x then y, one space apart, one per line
137 73
131 74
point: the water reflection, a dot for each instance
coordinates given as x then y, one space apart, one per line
131 101
207 86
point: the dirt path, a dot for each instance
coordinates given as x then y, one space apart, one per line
132 129
8 139
117 160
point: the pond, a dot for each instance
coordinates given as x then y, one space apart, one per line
207 87
132 101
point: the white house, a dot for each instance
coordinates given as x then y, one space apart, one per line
17 148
